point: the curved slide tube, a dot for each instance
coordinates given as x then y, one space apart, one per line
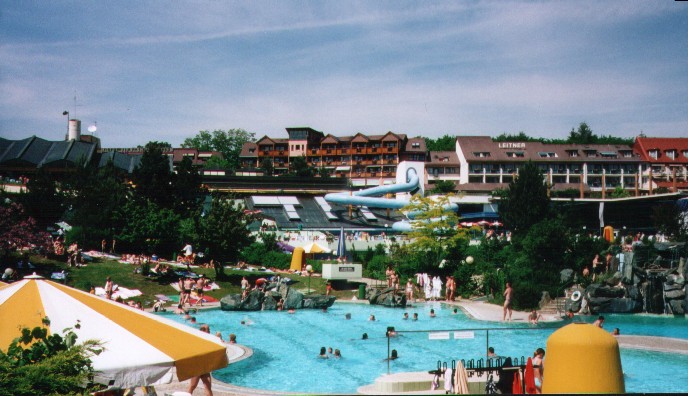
367 198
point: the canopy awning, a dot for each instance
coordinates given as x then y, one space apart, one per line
140 348
343 168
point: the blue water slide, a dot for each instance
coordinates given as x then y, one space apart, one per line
368 197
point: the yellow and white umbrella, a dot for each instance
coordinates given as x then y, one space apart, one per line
315 247
140 348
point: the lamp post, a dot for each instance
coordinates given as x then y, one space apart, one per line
66 113
309 269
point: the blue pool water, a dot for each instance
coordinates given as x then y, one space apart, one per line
286 346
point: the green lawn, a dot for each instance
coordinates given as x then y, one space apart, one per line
95 273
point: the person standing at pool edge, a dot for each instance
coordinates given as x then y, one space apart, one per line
193 382
508 294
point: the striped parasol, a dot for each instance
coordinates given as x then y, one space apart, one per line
140 348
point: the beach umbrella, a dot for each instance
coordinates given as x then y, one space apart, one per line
460 379
315 247
341 245
483 223
141 349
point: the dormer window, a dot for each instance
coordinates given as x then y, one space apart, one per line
685 153
547 154
572 153
481 154
626 153
671 154
251 150
415 145
591 153
608 154
653 153
515 154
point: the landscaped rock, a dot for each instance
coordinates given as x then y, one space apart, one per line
231 302
677 307
567 276
318 301
388 297
270 301
613 305
254 301
293 299
675 294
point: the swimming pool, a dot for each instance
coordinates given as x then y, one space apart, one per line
286 346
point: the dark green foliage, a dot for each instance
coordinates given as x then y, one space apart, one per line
266 253
519 137
187 187
443 187
667 219
583 135
148 227
95 198
42 201
40 364
153 177
299 167
526 201
229 143
267 166
444 143
223 230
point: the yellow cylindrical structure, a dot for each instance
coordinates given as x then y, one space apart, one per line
298 259
582 358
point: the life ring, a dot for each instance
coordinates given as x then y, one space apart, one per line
576 295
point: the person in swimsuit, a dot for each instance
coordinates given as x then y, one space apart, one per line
409 290
200 285
538 368
508 294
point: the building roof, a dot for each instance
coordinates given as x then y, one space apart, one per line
442 158
643 146
35 152
416 144
484 149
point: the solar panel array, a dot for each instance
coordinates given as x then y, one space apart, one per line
367 214
288 202
326 208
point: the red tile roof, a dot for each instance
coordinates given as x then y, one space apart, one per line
643 145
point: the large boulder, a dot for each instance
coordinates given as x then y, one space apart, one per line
614 305
596 290
388 297
293 299
254 301
231 302
567 276
318 301
677 307
675 294
270 301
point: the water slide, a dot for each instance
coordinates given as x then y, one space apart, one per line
370 197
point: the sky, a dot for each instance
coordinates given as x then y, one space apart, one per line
164 70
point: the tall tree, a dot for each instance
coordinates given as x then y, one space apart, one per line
223 231
153 177
229 143
299 167
187 186
444 143
42 200
525 202
267 166
94 197
583 135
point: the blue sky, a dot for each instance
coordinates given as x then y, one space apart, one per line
164 70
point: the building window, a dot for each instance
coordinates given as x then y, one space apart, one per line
415 145
653 154
671 154
573 153
482 154
515 154
252 150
